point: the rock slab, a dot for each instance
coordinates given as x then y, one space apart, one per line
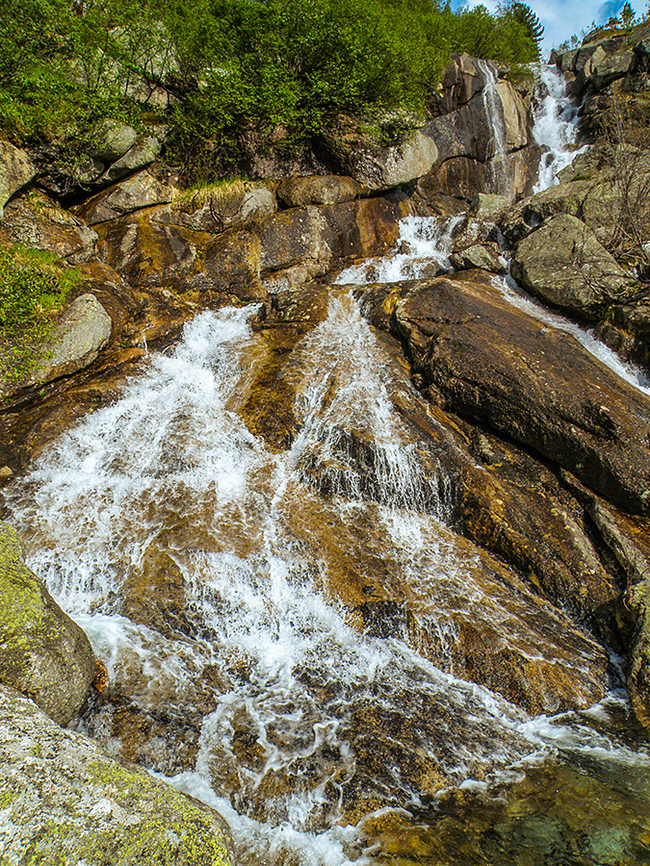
43 653
66 802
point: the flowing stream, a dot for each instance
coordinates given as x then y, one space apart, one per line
233 592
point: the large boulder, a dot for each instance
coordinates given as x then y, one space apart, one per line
318 189
563 263
36 221
65 801
16 170
139 191
362 155
43 653
496 365
142 153
80 334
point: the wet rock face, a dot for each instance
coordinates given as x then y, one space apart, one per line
43 653
496 365
66 800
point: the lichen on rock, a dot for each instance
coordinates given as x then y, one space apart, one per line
43 653
66 802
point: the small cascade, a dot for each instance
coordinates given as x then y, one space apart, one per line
422 251
555 126
496 151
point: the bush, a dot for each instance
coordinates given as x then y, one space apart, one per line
243 73
32 287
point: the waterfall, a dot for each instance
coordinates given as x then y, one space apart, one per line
555 126
496 150
283 658
171 467
422 250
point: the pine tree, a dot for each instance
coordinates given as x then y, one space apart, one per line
522 13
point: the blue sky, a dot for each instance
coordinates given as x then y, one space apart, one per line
563 18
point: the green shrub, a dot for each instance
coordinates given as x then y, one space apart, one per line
245 75
32 287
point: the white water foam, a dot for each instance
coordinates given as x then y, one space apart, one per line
171 467
555 126
423 247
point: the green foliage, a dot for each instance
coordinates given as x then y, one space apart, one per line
32 286
243 74
522 13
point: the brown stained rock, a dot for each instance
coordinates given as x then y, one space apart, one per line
496 365
228 263
460 177
481 623
269 406
35 220
628 539
462 80
293 236
627 331
515 507
377 224
318 189
563 263
147 253
154 594
43 653
140 191
515 116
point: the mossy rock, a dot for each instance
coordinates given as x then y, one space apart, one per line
66 802
43 653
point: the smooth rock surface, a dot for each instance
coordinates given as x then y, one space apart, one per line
43 653
496 365
80 334
563 263
64 801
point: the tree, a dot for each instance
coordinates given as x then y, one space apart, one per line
522 13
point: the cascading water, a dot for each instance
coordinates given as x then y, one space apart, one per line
272 701
496 150
555 126
171 468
